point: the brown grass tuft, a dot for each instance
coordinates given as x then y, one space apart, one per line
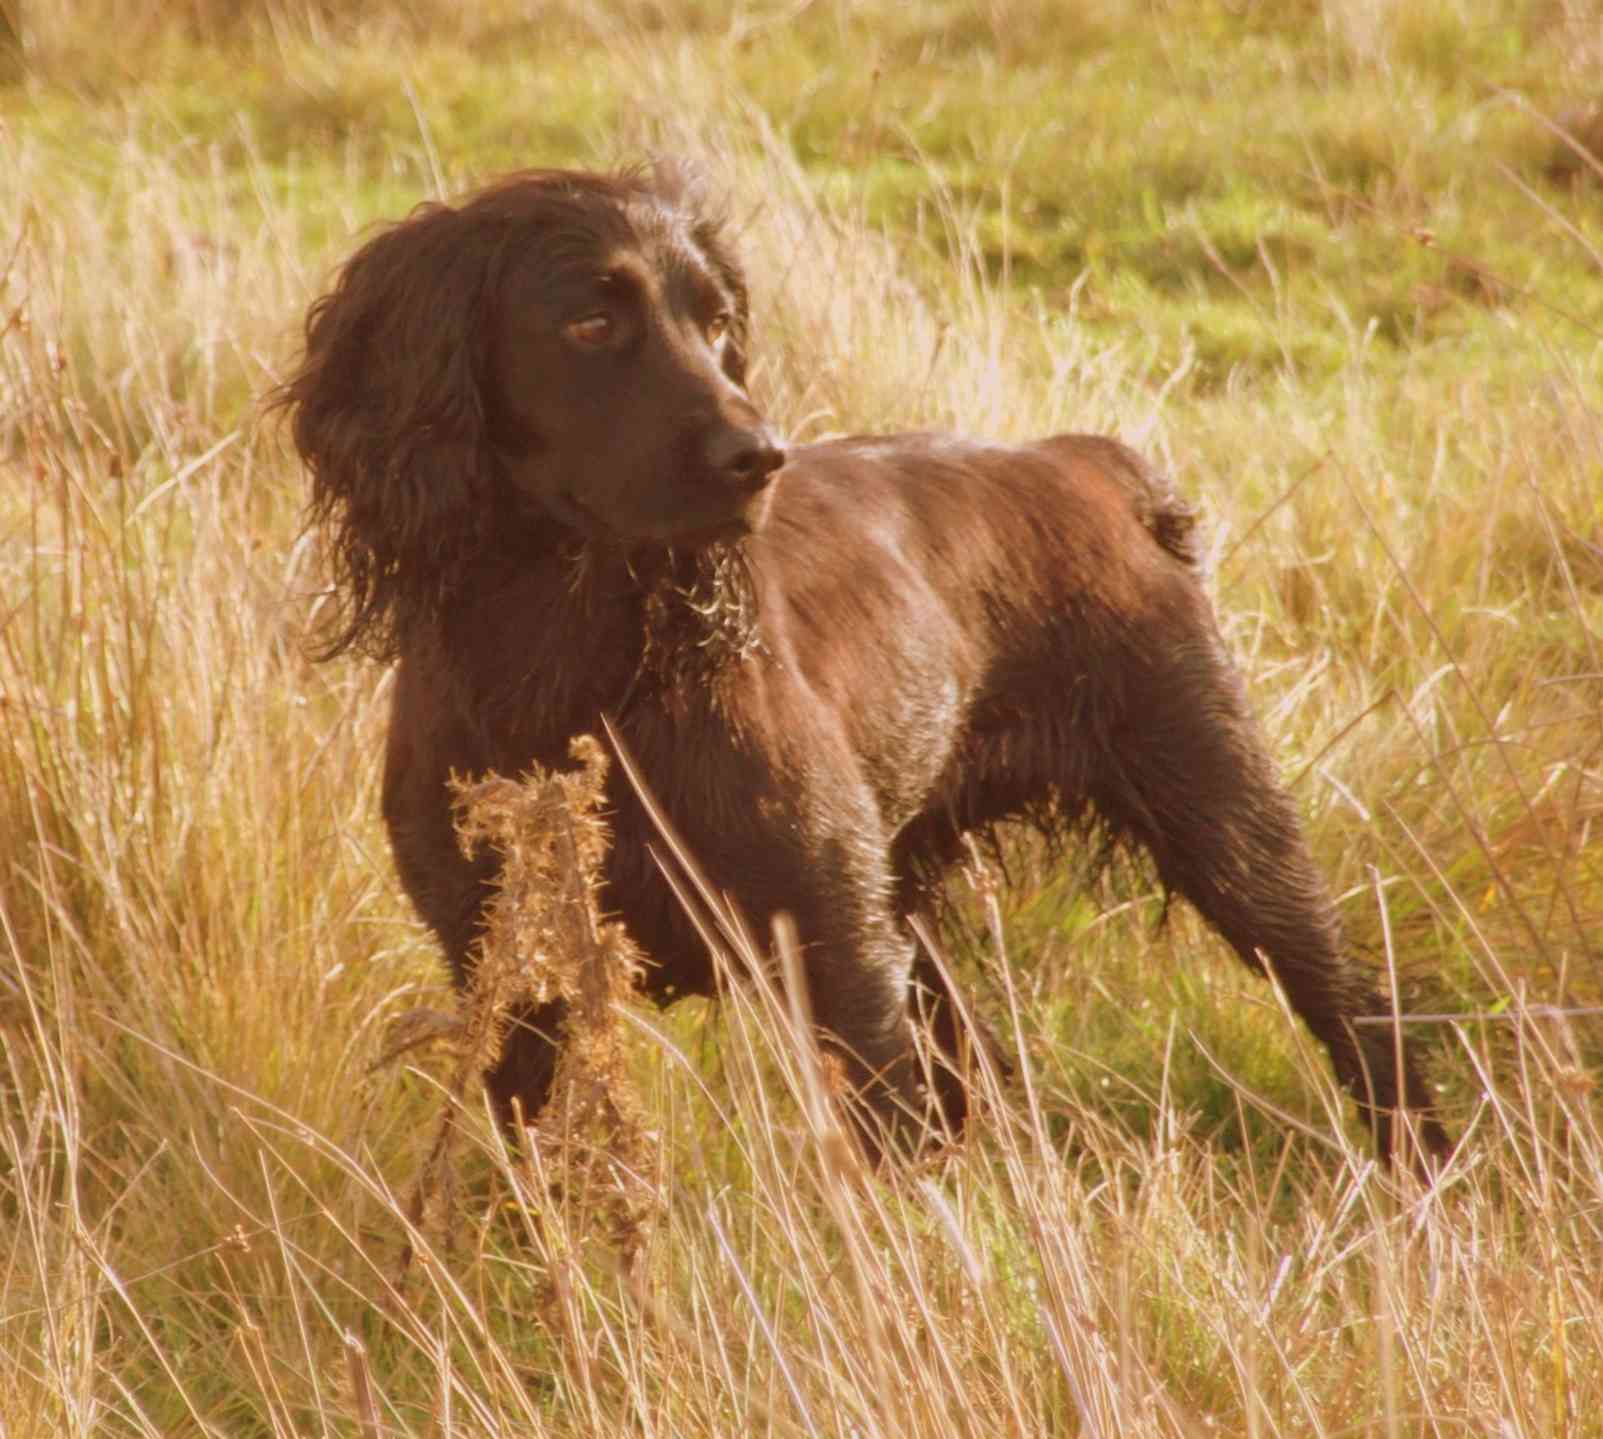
545 940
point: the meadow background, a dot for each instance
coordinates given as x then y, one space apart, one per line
1336 264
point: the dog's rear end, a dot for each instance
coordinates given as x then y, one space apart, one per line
553 500
1020 633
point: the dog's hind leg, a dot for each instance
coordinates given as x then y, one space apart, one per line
1189 780
960 1038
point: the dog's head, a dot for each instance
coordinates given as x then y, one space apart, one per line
615 374
563 348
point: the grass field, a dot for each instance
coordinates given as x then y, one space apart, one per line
1336 264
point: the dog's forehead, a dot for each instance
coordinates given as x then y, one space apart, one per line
665 235
644 236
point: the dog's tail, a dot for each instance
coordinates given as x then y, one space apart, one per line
1168 518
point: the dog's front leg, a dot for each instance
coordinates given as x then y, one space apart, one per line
857 961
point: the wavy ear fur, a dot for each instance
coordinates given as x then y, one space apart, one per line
387 412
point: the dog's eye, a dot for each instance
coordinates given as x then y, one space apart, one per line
718 327
591 330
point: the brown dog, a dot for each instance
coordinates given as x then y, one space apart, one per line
553 502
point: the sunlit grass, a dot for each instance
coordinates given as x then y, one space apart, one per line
1234 235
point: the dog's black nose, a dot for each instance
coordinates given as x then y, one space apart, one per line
747 458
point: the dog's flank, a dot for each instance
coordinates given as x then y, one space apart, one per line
552 500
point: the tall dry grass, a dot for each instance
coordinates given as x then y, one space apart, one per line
205 1185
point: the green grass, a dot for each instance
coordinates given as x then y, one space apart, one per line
1312 257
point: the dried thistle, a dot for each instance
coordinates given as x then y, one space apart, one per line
545 939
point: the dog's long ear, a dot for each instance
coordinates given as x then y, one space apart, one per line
387 411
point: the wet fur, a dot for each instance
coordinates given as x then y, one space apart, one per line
901 640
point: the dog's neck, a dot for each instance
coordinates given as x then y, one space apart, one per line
695 603
656 622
